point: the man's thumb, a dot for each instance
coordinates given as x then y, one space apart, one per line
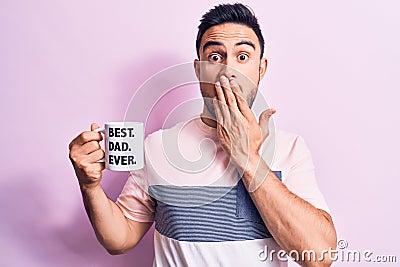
94 126
264 120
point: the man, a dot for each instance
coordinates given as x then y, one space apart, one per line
209 217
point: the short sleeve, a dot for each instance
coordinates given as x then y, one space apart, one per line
134 201
301 178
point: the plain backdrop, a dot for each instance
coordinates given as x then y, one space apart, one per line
333 77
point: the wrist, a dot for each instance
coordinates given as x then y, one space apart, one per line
88 188
255 174
249 168
250 165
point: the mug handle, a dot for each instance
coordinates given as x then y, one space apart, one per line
101 130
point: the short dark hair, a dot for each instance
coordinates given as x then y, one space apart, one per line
224 13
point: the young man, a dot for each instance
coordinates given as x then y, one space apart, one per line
238 208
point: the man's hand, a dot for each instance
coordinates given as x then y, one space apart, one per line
239 133
84 152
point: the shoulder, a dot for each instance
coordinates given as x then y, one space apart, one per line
287 148
286 137
288 141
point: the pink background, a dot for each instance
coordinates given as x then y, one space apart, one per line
333 77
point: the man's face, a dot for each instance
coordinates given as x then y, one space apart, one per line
232 50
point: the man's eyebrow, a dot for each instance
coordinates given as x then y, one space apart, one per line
211 43
250 43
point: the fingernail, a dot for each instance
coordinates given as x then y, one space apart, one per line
224 79
218 83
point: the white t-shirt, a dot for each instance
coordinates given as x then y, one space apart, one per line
203 213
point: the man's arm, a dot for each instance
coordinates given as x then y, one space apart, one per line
114 231
294 223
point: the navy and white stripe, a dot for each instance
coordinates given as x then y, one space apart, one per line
206 213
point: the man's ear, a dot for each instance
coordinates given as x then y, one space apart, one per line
196 65
263 67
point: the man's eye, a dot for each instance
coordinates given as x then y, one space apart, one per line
243 57
214 57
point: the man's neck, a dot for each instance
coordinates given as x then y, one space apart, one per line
206 118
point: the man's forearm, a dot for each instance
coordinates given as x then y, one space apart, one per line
107 219
293 222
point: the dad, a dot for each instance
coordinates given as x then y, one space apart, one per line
278 206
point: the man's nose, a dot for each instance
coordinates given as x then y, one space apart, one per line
228 69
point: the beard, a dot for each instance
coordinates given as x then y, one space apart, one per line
209 106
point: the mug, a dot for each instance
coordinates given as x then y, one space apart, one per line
123 145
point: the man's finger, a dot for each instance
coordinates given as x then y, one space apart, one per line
87 136
93 169
88 147
219 92
95 156
94 126
264 121
218 114
242 104
221 102
229 96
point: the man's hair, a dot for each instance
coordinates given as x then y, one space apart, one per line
224 13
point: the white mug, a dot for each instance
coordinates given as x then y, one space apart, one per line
123 145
